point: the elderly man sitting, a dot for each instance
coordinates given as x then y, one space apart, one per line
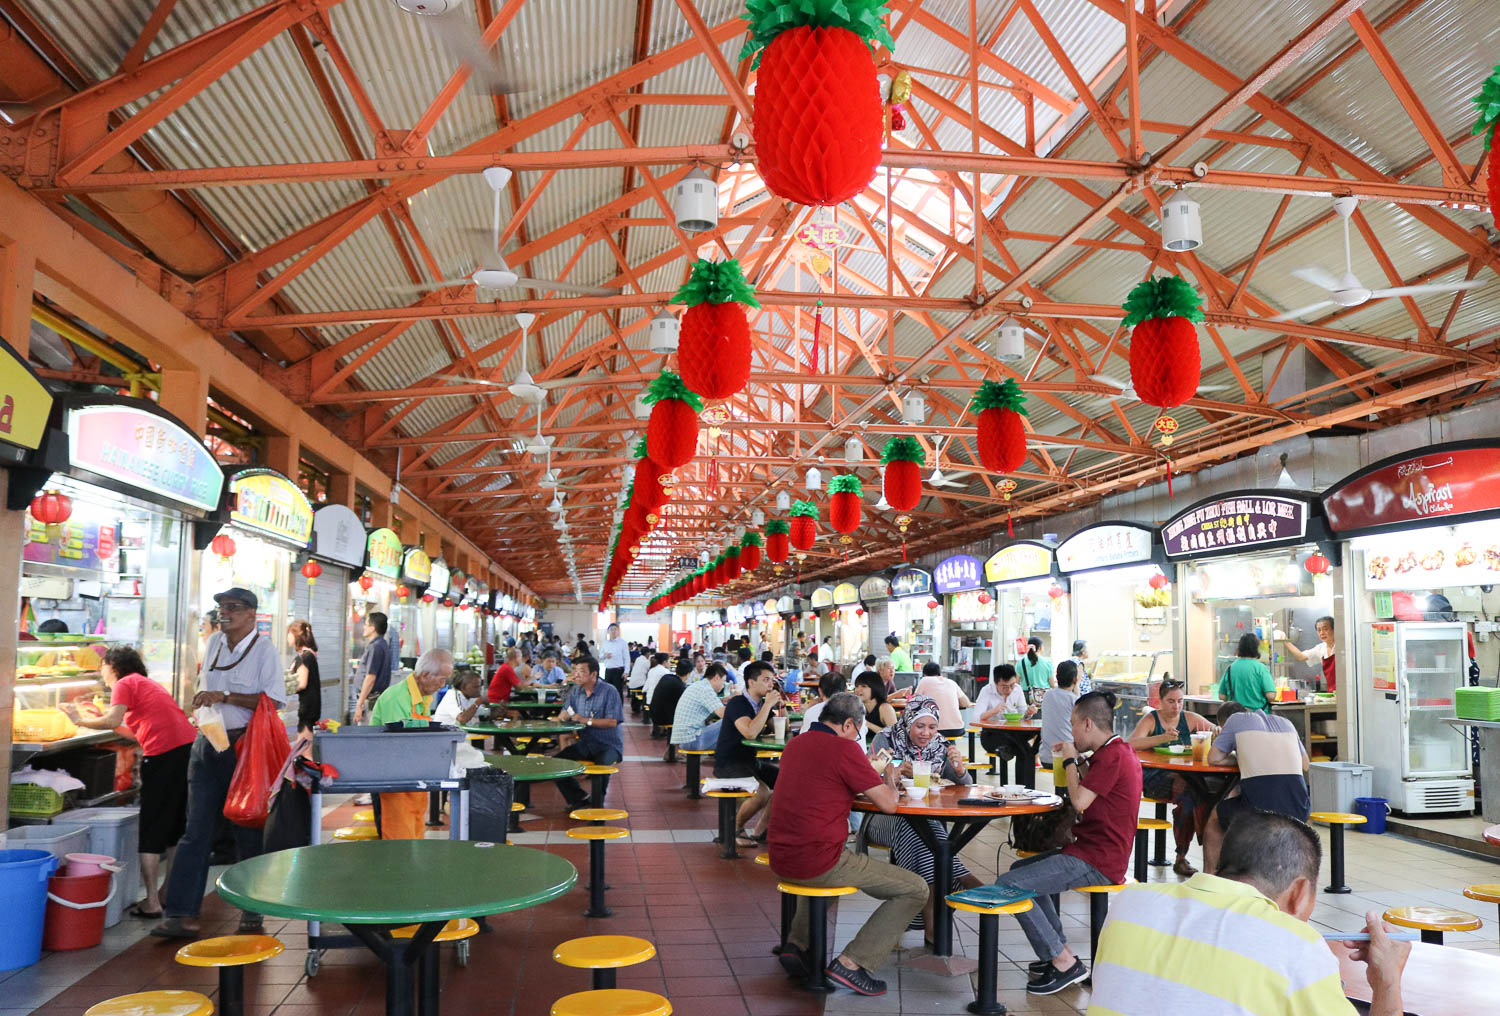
404 816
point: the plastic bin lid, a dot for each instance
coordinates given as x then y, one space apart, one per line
1347 766
104 816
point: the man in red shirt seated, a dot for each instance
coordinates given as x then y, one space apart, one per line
822 770
1108 800
506 680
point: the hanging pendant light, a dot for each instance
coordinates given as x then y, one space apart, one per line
783 501
914 409
695 203
854 451
1010 341
1181 223
663 333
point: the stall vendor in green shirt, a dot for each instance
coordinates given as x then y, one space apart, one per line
1247 680
404 816
900 658
1035 670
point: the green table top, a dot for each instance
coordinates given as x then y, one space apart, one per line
522 728
534 707
766 744
527 768
395 881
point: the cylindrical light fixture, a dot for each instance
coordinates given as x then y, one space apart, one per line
783 501
663 337
695 202
854 451
1181 223
640 408
814 478
914 409
1010 341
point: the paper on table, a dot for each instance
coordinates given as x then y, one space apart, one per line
747 784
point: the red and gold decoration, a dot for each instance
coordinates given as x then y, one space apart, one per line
672 431
1056 592
732 566
750 551
843 502
1158 581
1165 362
52 508
1317 564
895 102
778 540
713 345
1166 426
804 524
1001 437
311 571
904 459
403 592
222 546
365 582
819 113
1488 103
903 522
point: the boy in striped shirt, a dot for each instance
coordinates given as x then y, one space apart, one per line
1239 942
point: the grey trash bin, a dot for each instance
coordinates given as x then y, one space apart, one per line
1335 785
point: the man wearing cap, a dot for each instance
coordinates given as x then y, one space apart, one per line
403 816
239 665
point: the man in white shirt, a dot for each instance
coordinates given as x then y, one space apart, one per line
1001 696
830 685
462 700
637 682
659 670
239 665
615 659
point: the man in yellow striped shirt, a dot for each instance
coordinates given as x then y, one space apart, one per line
1238 942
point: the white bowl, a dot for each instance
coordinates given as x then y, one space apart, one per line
916 793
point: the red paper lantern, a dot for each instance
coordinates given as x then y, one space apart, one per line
984 598
51 508
834 614
1055 592
403 593
223 546
1488 101
843 503
778 541
859 612
365 582
1317 564
804 523
1000 437
932 605
1158 581
713 341
310 571
428 598
903 458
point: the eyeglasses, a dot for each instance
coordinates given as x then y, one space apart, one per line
233 607
1172 685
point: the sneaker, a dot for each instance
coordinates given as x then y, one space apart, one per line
250 924
1038 968
1057 980
794 962
857 980
1183 868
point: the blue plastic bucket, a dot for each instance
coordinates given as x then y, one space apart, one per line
1374 809
23 902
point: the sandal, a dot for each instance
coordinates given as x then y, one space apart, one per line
174 927
136 910
746 842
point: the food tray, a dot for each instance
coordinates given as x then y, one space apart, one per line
1477 703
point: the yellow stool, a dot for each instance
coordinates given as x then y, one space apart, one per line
1432 921
973 748
599 782
356 832
1159 840
671 755
1143 826
612 1002
989 948
517 806
364 815
768 754
603 954
1484 892
230 954
727 848
817 928
694 758
459 930
1098 911
154 1003
596 835
1335 821
598 816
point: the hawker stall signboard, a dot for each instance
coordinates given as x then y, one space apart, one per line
1019 562
416 567
269 503
1433 557
1245 521
438 586
874 589
25 403
1106 545
1450 482
139 450
957 573
845 593
384 550
910 582
822 597
338 536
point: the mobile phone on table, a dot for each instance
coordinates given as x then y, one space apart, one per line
1364 936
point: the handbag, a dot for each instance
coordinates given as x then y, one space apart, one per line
1039 833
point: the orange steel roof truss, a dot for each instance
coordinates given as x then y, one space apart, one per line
917 317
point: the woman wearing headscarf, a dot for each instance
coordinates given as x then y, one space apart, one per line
912 738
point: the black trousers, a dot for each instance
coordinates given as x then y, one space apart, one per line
616 677
1021 747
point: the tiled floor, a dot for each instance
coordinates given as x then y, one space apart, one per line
713 922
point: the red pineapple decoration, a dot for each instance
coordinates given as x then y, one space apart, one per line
778 540
647 493
804 524
732 565
1488 102
819 115
713 343
672 432
1001 436
1165 363
904 459
843 503
750 551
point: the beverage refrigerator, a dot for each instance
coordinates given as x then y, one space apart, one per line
1408 671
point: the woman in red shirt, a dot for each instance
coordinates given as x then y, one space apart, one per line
166 739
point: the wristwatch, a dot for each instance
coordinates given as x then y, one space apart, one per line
1069 762
589 722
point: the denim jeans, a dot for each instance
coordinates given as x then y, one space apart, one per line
707 739
1044 875
569 787
209 773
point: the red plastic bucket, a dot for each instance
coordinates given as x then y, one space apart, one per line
75 910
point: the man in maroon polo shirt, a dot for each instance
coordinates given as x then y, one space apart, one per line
822 770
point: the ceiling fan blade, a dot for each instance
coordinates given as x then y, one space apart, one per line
565 287
1318 276
467 380
1213 388
1289 315
427 287
461 38
1431 287
1113 382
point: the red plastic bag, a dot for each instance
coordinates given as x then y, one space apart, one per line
260 755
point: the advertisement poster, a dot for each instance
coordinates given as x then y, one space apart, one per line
89 544
1467 555
1383 657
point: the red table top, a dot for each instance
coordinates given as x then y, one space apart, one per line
942 802
1156 760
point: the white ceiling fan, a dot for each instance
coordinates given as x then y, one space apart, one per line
1128 392
1348 291
448 22
493 272
938 477
544 444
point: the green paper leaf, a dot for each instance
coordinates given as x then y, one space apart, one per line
846 483
779 527
766 19
1163 296
716 282
640 450
1002 395
733 550
751 540
804 509
903 449
668 385
1488 105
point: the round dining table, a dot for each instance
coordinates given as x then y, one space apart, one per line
375 886
961 822
1438 980
1209 783
1029 731
506 732
529 769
